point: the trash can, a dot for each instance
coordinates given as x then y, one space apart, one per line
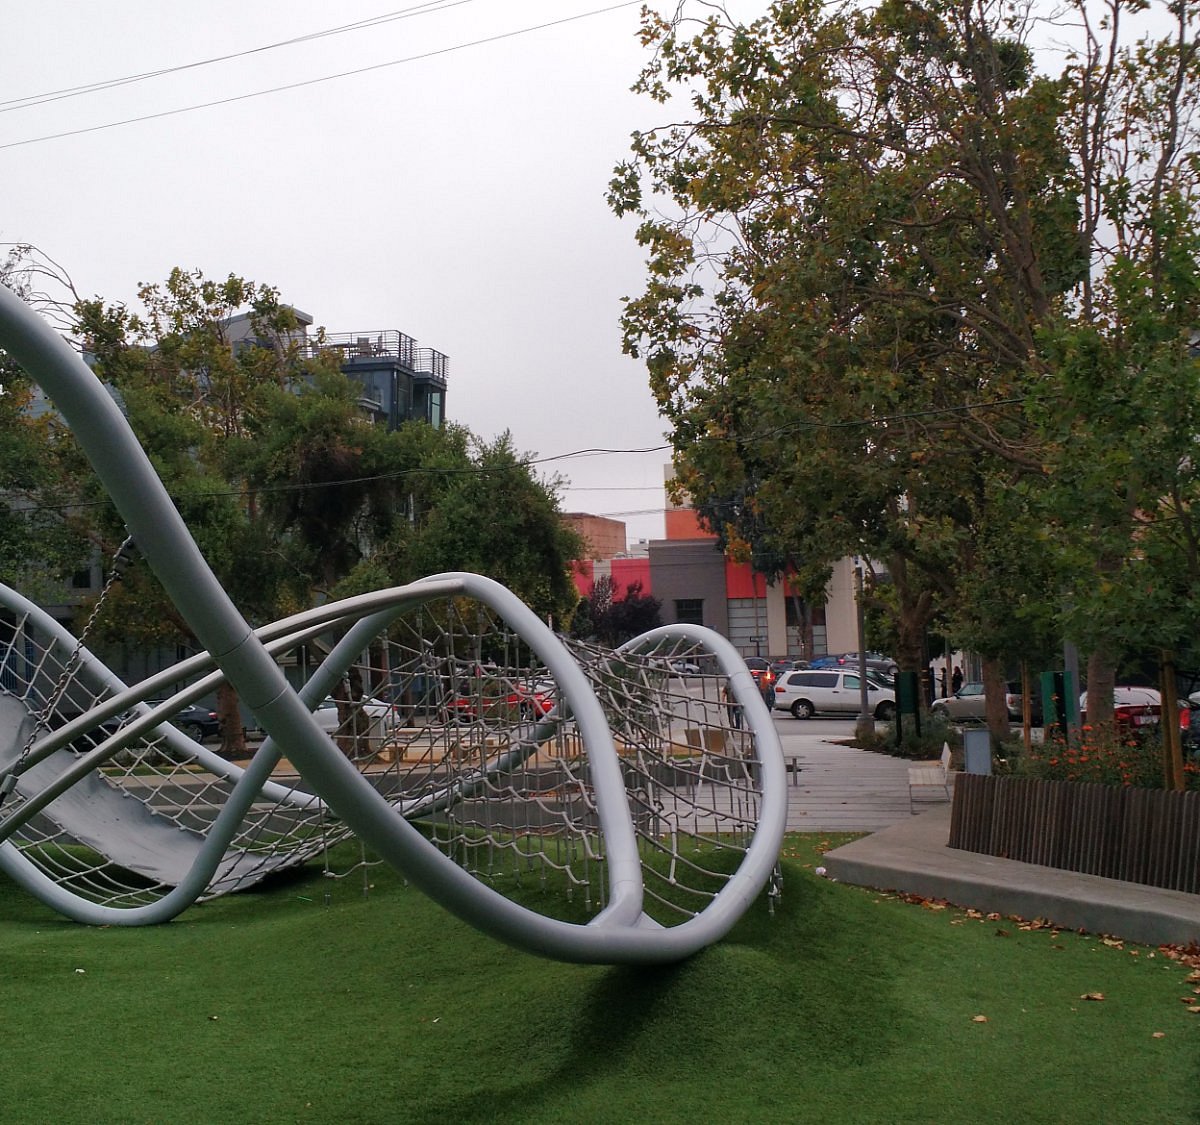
977 751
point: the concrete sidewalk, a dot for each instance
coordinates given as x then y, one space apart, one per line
841 789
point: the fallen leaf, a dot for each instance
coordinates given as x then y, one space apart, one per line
1158 1035
1003 933
1194 1008
1092 996
979 1019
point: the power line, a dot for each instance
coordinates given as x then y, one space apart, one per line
530 462
317 81
31 100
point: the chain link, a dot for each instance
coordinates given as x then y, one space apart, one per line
41 717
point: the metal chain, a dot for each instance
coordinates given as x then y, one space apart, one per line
40 718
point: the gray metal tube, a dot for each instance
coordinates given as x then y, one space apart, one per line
165 542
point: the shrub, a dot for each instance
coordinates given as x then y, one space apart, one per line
1105 756
935 732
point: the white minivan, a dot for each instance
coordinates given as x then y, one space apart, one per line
831 690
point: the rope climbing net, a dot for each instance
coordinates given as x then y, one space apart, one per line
447 714
466 745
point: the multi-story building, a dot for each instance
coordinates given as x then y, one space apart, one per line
400 381
697 584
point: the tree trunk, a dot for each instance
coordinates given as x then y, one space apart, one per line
229 715
1101 679
914 608
994 686
1169 725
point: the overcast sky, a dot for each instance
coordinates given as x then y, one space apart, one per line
457 197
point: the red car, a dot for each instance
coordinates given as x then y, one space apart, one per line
1133 707
532 702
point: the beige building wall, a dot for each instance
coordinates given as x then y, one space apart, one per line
605 538
841 615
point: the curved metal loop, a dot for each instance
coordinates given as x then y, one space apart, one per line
620 933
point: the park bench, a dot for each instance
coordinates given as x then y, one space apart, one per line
930 775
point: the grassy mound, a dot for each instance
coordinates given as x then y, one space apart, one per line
846 1006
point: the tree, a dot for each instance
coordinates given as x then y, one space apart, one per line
868 219
192 399
612 620
862 248
1121 416
495 516
40 545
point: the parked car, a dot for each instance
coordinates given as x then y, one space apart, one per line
882 665
1189 729
1133 707
527 701
969 703
759 667
685 667
196 722
327 714
782 665
813 690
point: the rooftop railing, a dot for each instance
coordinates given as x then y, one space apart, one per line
384 345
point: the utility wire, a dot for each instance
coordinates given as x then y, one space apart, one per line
530 462
31 100
317 81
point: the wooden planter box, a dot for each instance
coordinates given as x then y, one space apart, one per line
1149 836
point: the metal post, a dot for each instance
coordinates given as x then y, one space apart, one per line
864 727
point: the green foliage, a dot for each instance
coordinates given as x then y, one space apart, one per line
911 299
866 286
496 517
290 492
1103 755
611 620
934 734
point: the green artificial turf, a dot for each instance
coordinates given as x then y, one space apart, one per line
846 1006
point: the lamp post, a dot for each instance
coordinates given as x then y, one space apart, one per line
864 727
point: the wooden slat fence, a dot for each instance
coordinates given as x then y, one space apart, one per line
1149 836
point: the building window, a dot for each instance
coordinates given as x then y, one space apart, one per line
82 579
689 611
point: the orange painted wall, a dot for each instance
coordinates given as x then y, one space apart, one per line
682 523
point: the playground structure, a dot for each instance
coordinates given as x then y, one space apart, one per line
474 749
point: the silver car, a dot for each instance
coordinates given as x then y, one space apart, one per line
969 703
813 690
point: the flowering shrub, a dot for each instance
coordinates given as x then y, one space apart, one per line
1108 756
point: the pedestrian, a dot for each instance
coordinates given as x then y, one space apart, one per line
766 687
956 680
733 707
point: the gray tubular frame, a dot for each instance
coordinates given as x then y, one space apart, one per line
621 933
